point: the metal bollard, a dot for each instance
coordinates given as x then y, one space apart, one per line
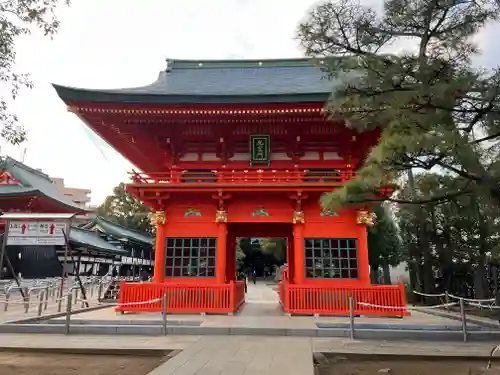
41 298
46 298
99 292
27 302
7 297
164 313
59 303
464 318
351 318
68 314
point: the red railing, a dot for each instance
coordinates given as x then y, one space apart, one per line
225 298
246 176
380 300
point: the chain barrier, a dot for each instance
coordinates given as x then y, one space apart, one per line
429 295
449 295
407 307
124 304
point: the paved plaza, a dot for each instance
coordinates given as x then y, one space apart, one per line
262 310
244 355
248 355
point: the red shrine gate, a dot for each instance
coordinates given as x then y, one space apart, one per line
237 149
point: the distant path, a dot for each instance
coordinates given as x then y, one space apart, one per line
261 300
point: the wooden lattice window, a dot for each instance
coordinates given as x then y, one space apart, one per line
331 258
190 257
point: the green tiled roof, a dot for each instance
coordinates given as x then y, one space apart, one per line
221 81
92 240
15 190
119 231
33 182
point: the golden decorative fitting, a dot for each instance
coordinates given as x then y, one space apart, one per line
221 216
298 217
366 218
158 218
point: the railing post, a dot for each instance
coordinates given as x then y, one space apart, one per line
41 298
164 302
7 297
59 302
464 319
351 318
46 298
68 314
27 302
99 291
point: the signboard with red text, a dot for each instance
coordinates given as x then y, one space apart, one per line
34 232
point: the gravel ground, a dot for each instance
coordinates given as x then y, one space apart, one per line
76 364
342 366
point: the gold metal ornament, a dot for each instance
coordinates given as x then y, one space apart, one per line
298 217
221 216
367 218
158 218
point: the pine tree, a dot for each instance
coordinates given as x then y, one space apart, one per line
122 208
434 109
384 245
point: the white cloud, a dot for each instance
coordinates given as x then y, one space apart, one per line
116 43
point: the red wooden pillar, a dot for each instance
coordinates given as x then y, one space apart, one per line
298 254
290 253
231 258
221 260
159 268
363 264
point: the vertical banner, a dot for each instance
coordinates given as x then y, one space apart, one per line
260 149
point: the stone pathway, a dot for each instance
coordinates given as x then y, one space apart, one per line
242 355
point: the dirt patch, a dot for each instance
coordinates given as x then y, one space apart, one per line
12 363
339 365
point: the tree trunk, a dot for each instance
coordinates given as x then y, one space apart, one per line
412 270
386 269
374 275
479 278
426 276
446 260
480 272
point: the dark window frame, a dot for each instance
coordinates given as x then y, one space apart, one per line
190 257
337 258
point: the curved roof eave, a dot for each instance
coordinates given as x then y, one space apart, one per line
30 191
92 241
70 94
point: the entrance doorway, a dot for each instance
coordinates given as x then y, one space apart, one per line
260 257
263 248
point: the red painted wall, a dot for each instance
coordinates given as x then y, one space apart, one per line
242 223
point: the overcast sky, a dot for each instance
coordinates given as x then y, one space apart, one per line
117 43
